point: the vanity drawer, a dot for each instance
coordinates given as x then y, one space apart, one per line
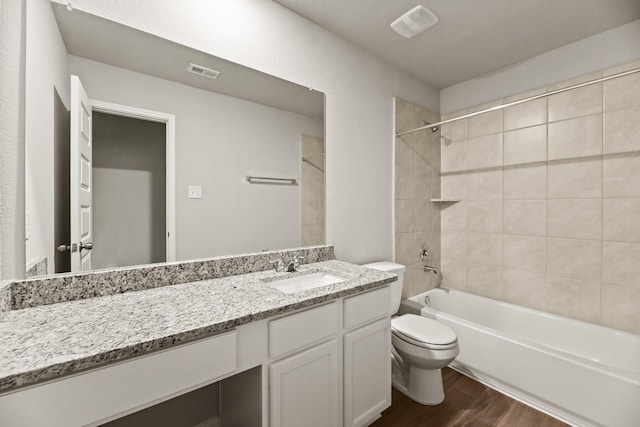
299 330
366 307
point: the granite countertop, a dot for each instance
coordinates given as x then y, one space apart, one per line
50 341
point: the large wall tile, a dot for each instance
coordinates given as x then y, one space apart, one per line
453 216
417 180
575 179
622 131
404 248
405 154
575 218
622 92
423 180
484 215
575 103
454 244
575 259
453 186
579 137
569 178
620 308
454 274
484 280
527 253
484 152
525 182
527 217
484 124
485 185
405 222
528 145
527 114
621 176
422 215
454 131
524 288
620 264
454 156
577 299
484 248
621 220
405 182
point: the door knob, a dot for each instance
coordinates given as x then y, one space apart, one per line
88 246
63 248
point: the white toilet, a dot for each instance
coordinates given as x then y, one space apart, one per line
421 347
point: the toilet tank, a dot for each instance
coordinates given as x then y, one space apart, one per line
396 287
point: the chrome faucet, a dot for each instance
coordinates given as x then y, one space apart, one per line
288 266
424 256
432 269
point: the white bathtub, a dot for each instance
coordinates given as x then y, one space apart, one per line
581 373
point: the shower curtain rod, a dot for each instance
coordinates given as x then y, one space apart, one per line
520 101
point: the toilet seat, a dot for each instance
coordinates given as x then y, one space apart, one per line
423 332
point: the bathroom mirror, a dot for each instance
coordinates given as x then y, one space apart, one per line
172 144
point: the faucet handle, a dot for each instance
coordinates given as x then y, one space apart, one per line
277 264
424 253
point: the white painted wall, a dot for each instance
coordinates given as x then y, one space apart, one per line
129 191
609 48
12 260
219 140
359 92
46 59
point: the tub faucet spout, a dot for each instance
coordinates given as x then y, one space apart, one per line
432 269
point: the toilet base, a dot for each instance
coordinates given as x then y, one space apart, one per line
421 385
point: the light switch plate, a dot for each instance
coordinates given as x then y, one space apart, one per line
194 192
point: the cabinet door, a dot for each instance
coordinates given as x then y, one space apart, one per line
304 388
367 372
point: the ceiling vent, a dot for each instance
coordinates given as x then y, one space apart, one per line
203 71
414 22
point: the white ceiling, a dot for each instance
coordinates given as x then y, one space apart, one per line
105 41
473 37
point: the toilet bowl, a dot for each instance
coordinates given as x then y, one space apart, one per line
421 347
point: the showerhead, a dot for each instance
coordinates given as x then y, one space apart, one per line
433 129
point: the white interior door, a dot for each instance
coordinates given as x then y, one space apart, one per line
81 186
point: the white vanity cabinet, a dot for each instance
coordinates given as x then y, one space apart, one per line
340 371
367 357
325 366
304 387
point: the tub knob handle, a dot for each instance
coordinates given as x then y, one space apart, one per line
424 253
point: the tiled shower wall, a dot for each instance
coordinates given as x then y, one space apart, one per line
417 180
312 191
549 210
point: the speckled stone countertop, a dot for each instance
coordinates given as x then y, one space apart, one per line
50 341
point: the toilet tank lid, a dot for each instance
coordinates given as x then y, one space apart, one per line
387 266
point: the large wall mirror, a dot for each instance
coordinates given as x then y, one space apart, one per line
137 152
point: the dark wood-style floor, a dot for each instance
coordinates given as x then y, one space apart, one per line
466 403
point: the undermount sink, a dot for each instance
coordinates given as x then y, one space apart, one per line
304 282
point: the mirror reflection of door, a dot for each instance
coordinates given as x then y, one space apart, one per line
126 221
81 191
